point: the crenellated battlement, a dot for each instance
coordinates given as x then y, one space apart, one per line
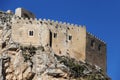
96 37
21 20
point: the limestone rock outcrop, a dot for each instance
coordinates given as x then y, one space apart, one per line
31 63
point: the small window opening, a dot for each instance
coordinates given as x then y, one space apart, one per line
70 37
30 33
19 17
55 35
41 22
93 43
99 47
68 28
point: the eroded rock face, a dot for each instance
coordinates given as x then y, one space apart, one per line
24 65
31 63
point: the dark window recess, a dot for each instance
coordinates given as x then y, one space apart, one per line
55 35
41 22
3 45
19 17
30 33
70 37
68 28
50 39
93 43
99 47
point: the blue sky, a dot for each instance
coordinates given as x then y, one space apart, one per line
101 17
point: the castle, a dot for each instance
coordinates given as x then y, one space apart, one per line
64 38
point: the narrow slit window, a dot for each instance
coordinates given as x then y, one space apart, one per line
50 39
30 33
55 35
93 43
99 47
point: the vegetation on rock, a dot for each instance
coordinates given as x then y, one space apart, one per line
82 71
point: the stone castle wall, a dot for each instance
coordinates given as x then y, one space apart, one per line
96 51
65 39
69 39
29 32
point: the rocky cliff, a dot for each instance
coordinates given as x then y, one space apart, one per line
31 63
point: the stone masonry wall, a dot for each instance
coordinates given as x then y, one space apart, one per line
29 32
96 51
67 39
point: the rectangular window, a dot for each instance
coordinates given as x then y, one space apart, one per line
70 37
30 33
92 44
99 47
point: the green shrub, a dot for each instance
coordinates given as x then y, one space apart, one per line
28 52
